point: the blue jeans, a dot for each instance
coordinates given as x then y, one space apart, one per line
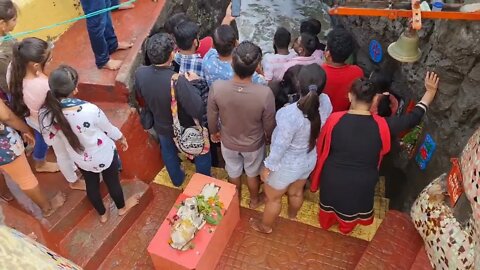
100 30
41 148
203 163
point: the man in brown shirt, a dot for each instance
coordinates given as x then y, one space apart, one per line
242 116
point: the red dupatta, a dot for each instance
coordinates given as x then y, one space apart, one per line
325 139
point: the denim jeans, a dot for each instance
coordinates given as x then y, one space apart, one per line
100 30
203 163
41 148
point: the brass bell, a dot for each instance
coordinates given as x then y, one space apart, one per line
406 48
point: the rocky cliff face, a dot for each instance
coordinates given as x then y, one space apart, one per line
208 13
451 48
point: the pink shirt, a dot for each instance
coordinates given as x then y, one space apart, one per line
273 65
34 93
300 60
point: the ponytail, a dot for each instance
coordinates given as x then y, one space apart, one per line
58 120
17 74
383 108
28 50
309 105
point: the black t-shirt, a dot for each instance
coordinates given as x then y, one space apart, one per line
152 83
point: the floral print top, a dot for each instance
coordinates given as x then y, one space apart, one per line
93 129
215 69
11 144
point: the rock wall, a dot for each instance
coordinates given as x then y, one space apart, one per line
451 48
208 13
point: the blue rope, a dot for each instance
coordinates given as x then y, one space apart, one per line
95 13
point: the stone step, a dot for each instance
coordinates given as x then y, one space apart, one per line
73 48
394 246
131 251
142 160
90 242
24 223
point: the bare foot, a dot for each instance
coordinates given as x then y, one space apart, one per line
79 185
55 203
292 216
254 204
113 64
104 217
122 45
129 203
47 167
126 7
259 227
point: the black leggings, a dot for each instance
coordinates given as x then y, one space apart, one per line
111 179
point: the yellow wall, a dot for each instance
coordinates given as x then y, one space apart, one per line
38 13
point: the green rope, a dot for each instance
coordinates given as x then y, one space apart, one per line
95 13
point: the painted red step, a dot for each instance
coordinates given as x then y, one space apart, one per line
131 251
66 217
89 242
143 159
25 223
394 246
421 261
73 48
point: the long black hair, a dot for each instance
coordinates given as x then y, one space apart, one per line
62 82
285 91
26 51
311 81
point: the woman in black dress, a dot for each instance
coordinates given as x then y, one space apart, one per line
350 149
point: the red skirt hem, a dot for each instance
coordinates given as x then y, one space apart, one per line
328 219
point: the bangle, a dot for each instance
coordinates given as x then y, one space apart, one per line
422 105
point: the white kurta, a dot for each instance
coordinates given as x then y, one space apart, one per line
93 129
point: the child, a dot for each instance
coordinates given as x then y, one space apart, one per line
90 144
29 87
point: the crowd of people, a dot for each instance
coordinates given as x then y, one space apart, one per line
302 114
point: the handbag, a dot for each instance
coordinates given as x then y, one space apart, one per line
192 141
146 117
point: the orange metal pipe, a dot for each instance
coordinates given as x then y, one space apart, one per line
403 13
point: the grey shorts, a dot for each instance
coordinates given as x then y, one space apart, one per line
236 162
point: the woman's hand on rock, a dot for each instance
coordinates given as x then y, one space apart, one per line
431 85
431 81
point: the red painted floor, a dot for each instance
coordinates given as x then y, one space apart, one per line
292 246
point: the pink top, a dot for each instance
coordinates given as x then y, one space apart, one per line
273 65
300 60
319 55
34 93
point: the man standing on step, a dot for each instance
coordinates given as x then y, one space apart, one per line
102 35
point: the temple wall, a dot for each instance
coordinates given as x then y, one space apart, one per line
34 14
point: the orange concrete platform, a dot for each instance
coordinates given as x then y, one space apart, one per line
90 242
73 48
209 242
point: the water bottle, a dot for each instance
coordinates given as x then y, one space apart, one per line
236 7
